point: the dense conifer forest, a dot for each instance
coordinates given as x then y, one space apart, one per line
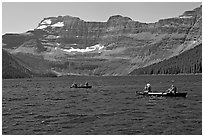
187 62
12 67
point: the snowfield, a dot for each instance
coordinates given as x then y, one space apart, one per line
47 21
58 24
42 27
87 49
185 17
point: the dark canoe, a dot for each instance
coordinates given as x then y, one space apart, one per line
168 94
163 94
81 87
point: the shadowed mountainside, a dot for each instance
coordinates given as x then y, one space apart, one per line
12 67
187 62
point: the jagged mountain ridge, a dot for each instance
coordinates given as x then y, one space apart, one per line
115 47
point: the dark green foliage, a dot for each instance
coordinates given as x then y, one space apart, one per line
13 73
187 62
36 63
13 68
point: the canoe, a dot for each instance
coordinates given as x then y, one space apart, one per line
164 94
81 87
168 94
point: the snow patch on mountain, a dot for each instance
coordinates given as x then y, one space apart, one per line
52 37
87 49
185 17
47 21
42 27
58 24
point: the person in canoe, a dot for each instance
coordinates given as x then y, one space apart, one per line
147 88
173 89
74 85
86 84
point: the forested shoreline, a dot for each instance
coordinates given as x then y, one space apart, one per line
186 63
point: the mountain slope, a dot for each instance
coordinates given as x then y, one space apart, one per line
12 67
69 45
187 62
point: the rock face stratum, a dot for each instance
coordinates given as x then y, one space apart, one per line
68 45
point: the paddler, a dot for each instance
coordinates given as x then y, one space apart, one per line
86 84
173 89
74 85
148 88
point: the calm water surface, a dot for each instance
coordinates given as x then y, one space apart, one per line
49 106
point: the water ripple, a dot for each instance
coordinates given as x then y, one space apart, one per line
48 106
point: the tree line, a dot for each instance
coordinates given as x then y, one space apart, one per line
188 62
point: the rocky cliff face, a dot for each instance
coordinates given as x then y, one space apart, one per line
115 47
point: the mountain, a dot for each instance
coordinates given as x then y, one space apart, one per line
13 68
177 64
67 45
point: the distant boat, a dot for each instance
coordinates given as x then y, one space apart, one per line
81 86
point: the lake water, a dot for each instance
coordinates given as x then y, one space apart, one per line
111 107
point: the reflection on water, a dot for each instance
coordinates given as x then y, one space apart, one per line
49 106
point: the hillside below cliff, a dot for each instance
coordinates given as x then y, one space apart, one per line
13 68
189 62
67 45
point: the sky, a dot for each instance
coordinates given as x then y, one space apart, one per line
19 17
